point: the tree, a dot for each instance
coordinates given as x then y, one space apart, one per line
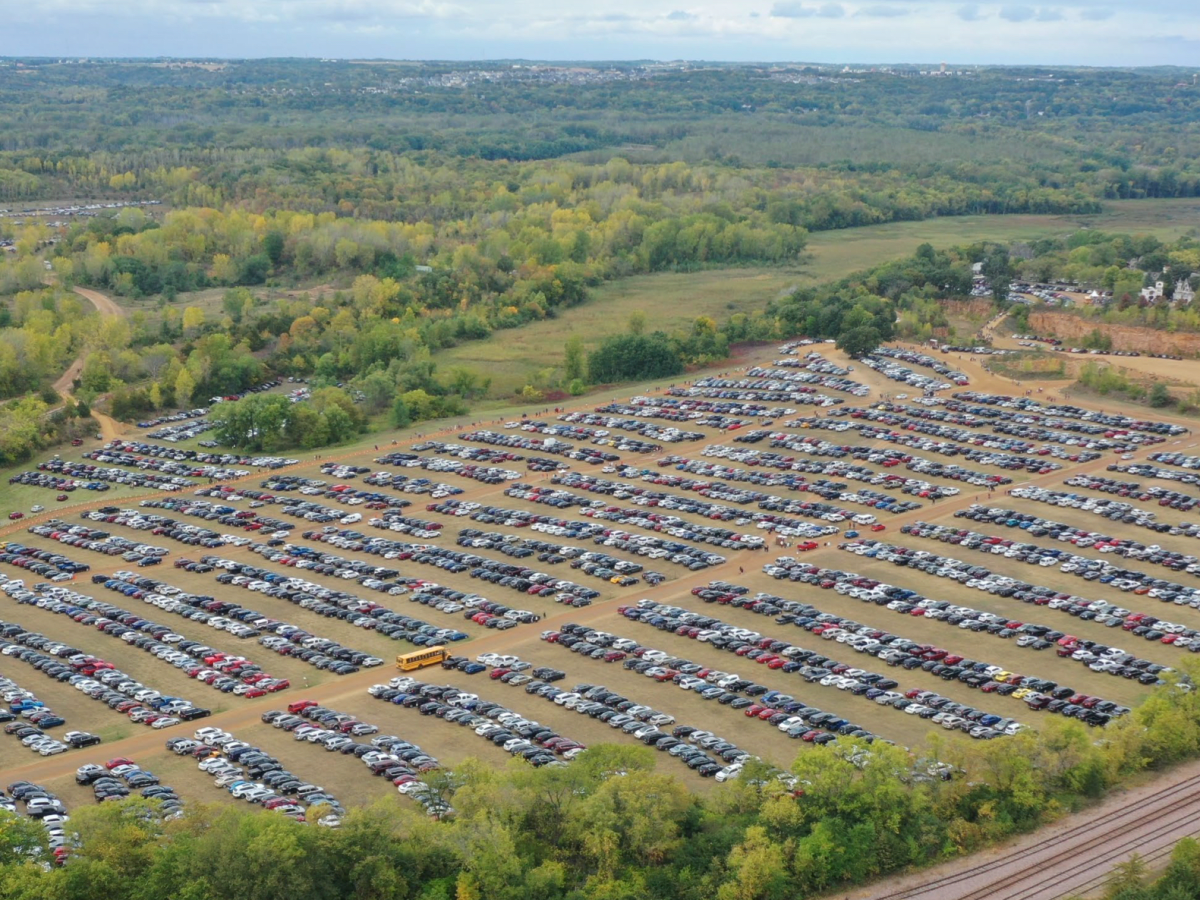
272 245
998 270
185 386
858 342
254 269
634 357
637 322
574 360
401 417
236 302
193 320
1159 396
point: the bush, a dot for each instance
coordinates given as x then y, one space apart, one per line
634 357
1159 396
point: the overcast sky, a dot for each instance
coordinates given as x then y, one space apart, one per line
1090 32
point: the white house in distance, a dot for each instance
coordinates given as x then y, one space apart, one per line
1183 292
1153 293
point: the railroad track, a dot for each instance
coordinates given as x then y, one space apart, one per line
1181 808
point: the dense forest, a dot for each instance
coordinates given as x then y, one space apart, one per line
343 222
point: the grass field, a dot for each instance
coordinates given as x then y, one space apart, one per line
671 300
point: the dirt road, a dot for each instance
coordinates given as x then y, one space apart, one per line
106 306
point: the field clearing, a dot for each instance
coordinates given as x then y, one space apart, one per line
672 300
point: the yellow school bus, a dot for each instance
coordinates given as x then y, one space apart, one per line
430 656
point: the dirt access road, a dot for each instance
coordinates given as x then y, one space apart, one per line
106 306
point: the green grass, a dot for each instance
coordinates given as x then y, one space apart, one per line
672 300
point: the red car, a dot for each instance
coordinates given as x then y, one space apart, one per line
61 497
119 761
16 515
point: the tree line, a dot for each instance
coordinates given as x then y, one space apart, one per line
611 826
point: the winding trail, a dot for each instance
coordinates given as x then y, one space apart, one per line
106 306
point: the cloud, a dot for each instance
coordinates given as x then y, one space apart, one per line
1046 14
1017 13
680 15
970 12
790 10
1096 14
793 10
880 11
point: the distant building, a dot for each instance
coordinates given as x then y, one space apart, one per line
1153 293
1183 292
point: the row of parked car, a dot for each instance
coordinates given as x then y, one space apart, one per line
93 476
331 604
173 472
751 396
1007 436
1135 490
704 752
487 465
27 719
916 358
43 563
598 565
698 413
818 669
602 437
62 484
255 776
44 806
649 546
281 637
1089 569
385 579
1033 406
811 369
1098 657
117 778
835 468
517 735
1035 465
401 762
198 457
754 700
662 434
896 650
224 672
184 415
724 415
1114 510
548 445
96 678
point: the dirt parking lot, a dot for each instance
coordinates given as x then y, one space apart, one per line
347 778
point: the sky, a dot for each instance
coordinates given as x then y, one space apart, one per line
1066 32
